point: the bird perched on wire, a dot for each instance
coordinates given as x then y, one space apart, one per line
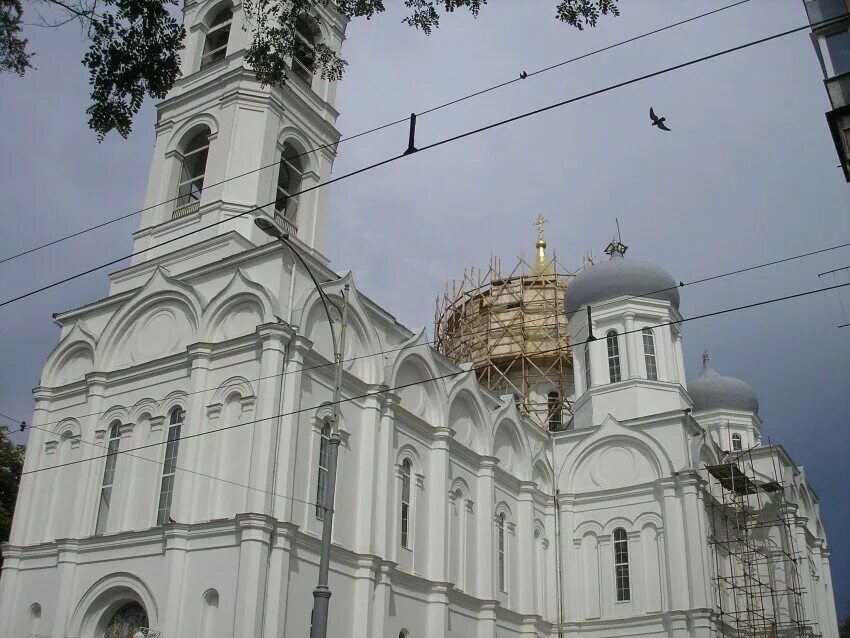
657 121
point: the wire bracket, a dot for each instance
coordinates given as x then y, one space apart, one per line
412 139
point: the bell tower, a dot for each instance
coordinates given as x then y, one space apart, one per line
227 147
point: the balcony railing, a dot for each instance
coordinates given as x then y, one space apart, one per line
820 10
186 209
286 224
838 88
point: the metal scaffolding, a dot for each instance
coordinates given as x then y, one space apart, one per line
513 328
757 583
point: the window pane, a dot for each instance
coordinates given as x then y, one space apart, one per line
838 45
649 354
613 357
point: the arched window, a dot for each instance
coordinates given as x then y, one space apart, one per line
613 341
127 621
406 468
108 478
304 53
169 467
215 44
503 581
209 613
289 178
553 407
649 354
324 461
737 443
404 634
621 565
35 619
193 165
586 367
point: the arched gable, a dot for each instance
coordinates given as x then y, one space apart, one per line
69 426
613 456
412 454
304 147
649 519
175 399
466 414
71 359
542 476
189 128
411 376
110 592
593 528
615 522
363 347
160 319
459 484
143 407
238 309
511 448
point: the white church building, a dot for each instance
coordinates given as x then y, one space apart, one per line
177 457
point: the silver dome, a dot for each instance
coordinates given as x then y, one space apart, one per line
712 391
620 277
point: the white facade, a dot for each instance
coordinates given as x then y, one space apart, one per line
220 339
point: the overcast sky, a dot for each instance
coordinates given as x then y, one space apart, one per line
747 175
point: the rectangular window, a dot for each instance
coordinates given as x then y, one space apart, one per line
324 461
838 46
503 587
405 504
108 480
621 565
169 467
614 374
649 354
587 367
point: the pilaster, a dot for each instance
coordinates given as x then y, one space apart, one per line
438 610
199 357
695 540
288 441
66 567
439 506
631 347
368 466
486 558
384 485
267 426
525 546
674 545
255 533
27 524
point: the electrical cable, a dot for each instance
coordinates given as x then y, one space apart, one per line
443 376
447 140
383 353
379 128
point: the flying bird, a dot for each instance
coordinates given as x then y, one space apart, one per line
657 121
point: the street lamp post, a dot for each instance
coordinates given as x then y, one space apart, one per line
322 593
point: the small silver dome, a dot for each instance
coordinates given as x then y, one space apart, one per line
619 277
712 391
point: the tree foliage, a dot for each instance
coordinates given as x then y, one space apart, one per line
135 45
11 466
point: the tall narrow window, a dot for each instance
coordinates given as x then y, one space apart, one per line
324 460
215 44
503 585
405 503
108 478
612 339
553 407
289 178
586 367
192 168
169 468
649 354
621 565
304 53
737 443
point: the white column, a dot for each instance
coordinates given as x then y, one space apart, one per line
525 549
199 357
361 609
438 609
367 478
569 567
266 428
680 358
9 588
830 624
277 590
383 593
695 540
384 484
674 546
598 359
486 584
27 522
666 348
176 542
254 533
632 370
288 441
66 567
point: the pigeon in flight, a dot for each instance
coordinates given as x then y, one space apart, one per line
657 121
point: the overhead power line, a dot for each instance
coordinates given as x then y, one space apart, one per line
447 140
382 126
437 378
383 353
